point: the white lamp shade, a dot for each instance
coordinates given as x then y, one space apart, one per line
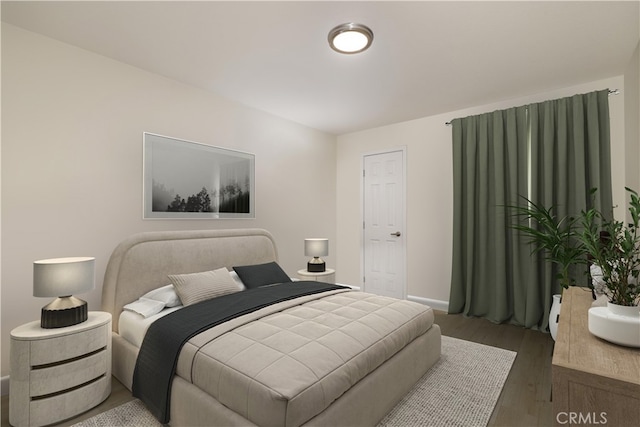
63 276
316 247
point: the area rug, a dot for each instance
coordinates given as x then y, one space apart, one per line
461 389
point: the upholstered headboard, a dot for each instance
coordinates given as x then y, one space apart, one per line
143 261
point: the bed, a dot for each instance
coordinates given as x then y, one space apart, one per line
355 377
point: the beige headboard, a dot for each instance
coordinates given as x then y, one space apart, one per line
142 262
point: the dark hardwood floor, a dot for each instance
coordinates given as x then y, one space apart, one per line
525 399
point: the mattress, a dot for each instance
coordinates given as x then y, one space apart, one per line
286 363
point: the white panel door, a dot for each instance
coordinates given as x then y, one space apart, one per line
384 240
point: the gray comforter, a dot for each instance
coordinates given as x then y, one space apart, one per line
284 364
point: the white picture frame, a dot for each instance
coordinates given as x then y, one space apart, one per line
190 180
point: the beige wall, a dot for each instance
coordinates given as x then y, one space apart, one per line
72 126
430 188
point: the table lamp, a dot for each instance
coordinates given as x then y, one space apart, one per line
316 248
62 277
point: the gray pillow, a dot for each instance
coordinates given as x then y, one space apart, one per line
196 287
254 276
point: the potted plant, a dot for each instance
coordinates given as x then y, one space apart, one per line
609 244
559 239
615 248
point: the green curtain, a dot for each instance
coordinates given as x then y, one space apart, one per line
490 169
553 153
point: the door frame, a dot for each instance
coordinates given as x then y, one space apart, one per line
403 149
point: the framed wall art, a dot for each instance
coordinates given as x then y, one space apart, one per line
190 180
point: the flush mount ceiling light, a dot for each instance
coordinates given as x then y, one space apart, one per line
350 38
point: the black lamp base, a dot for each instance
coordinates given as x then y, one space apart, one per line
64 311
316 267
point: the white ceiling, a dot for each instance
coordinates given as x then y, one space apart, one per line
427 57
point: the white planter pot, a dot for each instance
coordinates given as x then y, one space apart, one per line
616 323
553 315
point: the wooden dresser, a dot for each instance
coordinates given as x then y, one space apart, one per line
594 382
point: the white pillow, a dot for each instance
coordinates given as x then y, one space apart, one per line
196 287
145 307
165 294
237 279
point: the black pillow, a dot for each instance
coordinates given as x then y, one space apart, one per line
254 276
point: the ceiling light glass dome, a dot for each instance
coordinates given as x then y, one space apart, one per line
350 38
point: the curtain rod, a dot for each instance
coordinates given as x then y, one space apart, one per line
611 92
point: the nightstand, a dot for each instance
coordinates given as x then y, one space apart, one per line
327 276
59 373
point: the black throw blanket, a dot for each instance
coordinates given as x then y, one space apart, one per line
158 356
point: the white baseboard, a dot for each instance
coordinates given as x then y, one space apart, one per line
433 303
4 383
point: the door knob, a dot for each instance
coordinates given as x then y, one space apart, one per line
397 234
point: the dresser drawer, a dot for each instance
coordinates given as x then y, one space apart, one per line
61 407
67 347
65 376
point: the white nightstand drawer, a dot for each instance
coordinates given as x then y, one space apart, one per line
67 347
63 377
60 407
